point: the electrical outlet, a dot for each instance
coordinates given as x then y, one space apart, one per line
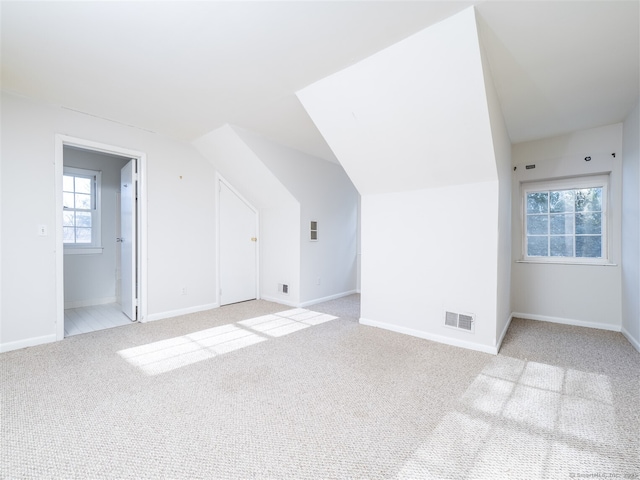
183 291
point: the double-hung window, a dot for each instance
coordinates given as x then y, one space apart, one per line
81 215
566 220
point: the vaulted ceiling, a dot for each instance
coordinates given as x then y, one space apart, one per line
185 68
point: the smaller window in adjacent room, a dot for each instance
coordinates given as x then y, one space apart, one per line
81 203
566 220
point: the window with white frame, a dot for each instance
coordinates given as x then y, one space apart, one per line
566 220
81 203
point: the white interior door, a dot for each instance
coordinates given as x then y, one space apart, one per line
118 250
127 239
238 268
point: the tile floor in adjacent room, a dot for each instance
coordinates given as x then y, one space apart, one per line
96 317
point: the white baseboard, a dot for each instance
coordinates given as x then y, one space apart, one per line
281 301
176 313
633 341
504 332
28 342
90 303
308 303
431 336
567 321
326 299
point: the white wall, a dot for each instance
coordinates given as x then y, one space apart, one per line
326 195
586 295
428 251
280 253
2 203
359 248
631 227
279 210
91 279
502 152
181 228
411 126
290 188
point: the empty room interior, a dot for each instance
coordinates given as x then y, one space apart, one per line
324 239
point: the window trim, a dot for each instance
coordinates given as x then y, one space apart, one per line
95 247
570 183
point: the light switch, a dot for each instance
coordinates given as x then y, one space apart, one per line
42 231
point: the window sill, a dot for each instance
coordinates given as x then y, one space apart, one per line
567 262
83 250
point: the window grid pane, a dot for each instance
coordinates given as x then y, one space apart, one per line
561 201
79 203
564 223
537 224
68 200
67 183
561 245
538 246
538 202
83 185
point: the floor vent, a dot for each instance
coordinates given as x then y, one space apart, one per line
460 321
283 288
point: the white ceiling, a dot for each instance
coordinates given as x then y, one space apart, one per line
561 66
184 68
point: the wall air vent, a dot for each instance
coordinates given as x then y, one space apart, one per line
451 319
460 321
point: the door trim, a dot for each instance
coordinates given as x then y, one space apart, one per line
220 180
141 226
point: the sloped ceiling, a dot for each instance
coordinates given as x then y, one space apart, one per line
562 66
427 120
183 69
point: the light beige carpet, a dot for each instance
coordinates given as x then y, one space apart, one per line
256 390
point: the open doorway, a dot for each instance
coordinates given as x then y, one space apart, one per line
99 197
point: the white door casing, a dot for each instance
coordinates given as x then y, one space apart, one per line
237 247
141 218
128 240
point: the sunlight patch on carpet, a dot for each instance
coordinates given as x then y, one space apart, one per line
515 416
167 355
